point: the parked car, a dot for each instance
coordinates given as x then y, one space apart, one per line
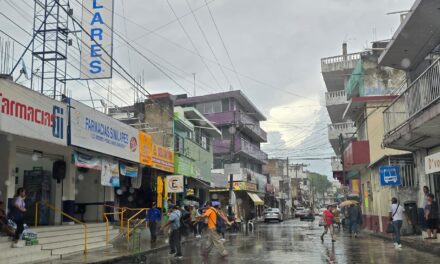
308 215
273 214
300 211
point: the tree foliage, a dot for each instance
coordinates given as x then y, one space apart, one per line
318 182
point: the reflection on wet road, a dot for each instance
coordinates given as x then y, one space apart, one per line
296 242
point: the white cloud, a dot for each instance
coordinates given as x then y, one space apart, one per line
295 121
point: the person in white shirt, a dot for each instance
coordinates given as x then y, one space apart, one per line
396 216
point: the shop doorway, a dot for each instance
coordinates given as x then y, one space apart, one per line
89 195
34 173
434 185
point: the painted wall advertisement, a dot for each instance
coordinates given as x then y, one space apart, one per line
174 183
145 149
163 158
96 39
27 113
96 131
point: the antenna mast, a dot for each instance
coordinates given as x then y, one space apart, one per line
49 48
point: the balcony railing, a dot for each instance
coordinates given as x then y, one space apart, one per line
419 95
340 62
230 117
247 121
335 98
347 128
252 150
241 145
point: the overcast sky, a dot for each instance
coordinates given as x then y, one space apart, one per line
275 46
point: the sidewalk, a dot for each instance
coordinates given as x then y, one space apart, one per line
118 252
417 242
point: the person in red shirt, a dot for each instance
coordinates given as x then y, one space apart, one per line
328 220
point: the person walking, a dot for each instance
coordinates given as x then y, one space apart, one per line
153 218
194 223
328 221
175 237
396 216
353 219
16 215
221 225
336 217
431 216
214 239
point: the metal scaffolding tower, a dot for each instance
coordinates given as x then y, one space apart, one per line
49 48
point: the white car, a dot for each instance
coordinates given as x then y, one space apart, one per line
273 214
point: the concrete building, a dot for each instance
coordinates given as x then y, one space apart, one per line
336 71
276 169
238 119
193 136
412 119
368 90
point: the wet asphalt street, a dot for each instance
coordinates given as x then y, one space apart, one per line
295 242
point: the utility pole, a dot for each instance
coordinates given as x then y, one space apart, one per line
341 150
288 180
232 131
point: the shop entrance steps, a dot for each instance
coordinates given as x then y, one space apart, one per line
56 242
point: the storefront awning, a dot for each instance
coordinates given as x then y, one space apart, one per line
255 199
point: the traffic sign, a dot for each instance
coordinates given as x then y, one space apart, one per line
389 175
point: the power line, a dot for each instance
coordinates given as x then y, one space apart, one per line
207 41
224 45
194 45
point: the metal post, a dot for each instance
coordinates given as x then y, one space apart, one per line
341 146
231 189
231 176
288 184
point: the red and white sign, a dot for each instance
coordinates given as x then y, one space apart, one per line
27 113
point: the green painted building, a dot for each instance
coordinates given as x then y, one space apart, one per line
193 135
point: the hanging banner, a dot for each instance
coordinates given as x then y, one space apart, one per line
145 149
96 39
163 158
86 161
160 190
128 170
29 114
174 183
355 186
110 173
91 129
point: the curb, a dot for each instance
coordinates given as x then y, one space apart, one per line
425 247
140 255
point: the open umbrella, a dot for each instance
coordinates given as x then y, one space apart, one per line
348 202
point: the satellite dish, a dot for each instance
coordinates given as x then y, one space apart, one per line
24 69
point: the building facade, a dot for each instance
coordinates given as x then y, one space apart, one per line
238 119
412 119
